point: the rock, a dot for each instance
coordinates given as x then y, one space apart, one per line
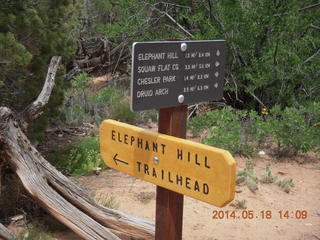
262 152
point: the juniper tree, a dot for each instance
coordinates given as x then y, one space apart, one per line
31 32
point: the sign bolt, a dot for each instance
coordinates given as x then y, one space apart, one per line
155 160
183 47
180 98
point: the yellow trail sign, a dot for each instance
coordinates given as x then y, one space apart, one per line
193 169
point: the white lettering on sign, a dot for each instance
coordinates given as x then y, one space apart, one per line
162 68
146 69
175 66
144 93
167 79
147 81
172 55
151 56
197 66
195 88
197 54
190 77
162 91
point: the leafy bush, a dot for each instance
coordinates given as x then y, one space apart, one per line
286 184
267 177
248 176
34 234
239 204
107 200
26 50
237 131
293 129
121 111
80 158
81 105
74 115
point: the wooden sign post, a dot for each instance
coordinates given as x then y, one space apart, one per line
168 75
159 83
169 204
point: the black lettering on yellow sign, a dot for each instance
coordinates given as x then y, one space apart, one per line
138 142
177 179
194 157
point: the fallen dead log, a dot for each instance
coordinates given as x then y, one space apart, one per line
6 233
57 194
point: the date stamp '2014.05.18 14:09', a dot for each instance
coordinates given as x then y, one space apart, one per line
262 214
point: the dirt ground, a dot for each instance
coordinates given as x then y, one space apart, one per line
137 197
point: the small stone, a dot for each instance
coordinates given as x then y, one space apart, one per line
97 170
262 152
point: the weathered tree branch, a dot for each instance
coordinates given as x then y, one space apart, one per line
236 55
310 6
300 10
312 56
177 23
34 110
256 98
314 26
58 195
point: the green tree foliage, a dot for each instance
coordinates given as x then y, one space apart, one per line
273 46
125 20
31 32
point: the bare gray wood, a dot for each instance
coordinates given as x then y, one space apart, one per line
57 194
6 233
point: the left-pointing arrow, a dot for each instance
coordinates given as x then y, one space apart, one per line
115 159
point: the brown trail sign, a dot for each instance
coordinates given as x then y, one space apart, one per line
167 75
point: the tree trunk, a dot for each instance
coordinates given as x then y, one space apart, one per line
59 196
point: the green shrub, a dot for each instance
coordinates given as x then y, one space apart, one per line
109 201
248 176
267 177
201 123
34 234
236 131
121 111
81 105
239 204
74 115
286 184
80 158
294 130
147 116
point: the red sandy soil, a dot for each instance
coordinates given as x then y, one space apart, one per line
137 197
